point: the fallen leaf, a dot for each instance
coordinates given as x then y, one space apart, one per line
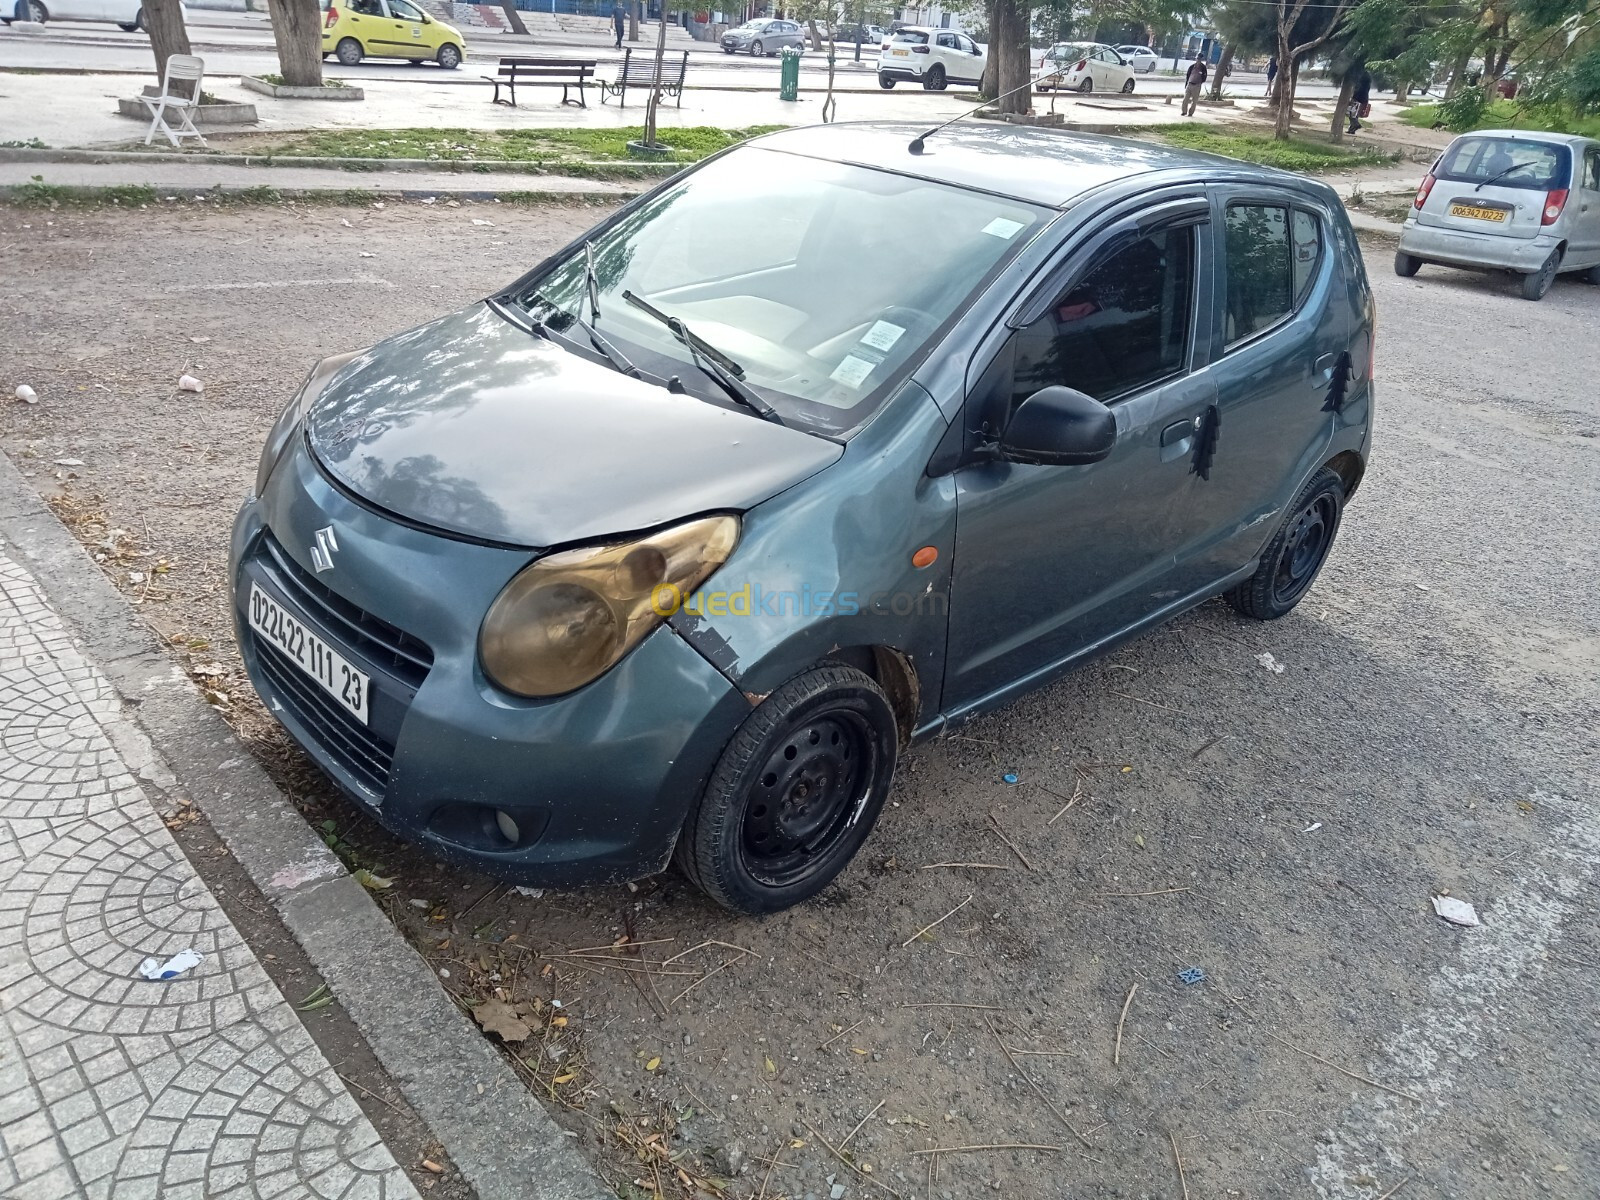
771 1066
498 1017
796 1143
652 1064
368 880
567 1078
859 1050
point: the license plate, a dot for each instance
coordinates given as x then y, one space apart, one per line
310 653
899 53
1477 214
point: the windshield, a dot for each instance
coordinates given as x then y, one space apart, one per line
911 37
821 281
1539 166
752 27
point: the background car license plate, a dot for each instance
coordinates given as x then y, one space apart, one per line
309 652
1476 213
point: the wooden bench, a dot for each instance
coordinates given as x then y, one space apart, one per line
543 72
641 73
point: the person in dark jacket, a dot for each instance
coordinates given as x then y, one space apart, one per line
1272 72
618 22
1360 101
1193 80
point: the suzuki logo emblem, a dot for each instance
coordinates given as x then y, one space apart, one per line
323 550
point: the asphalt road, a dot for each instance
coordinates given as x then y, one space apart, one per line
234 43
1433 727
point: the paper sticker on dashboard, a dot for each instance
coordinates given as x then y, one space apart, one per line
882 336
1001 227
852 371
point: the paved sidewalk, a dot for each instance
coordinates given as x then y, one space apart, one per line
112 1086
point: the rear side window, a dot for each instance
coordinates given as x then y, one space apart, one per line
1591 170
1122 326
1305 235
1506 162
1260 268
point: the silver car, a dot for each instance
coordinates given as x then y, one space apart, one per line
1509 200
766 35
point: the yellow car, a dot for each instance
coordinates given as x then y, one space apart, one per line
357 29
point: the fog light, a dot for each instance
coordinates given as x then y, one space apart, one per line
508 827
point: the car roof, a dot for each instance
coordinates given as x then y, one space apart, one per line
1041 166
1530 135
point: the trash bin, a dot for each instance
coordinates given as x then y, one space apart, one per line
789 74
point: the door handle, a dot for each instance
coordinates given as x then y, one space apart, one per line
1179 430
1322 372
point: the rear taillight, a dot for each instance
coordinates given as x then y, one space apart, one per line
1083 65
1423 189
1554 201
921 50
332 18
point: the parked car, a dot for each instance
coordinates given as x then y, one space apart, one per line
1509 200
671 547
1141 58
357 29
1083 67
935 58
127 13
765 36
859 35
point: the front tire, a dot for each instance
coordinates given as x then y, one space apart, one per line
934 80
795 793
1127 88
1292 559
349 52
757 50
1536 285
1406 265
39 12
449 56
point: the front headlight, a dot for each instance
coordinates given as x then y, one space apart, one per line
569 618
283 429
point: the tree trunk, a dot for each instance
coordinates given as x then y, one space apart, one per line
1402 93
989 85
655 88
164 22
1346 89
633 20
816 34
513 18
1222 72
297 28
1010 46
1286 83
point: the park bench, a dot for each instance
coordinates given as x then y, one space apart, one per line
641 73
543 72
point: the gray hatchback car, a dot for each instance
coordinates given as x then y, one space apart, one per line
675 544
763 36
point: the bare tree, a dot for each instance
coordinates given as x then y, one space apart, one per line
297 29
163 19
654 102
1289 56
1008 50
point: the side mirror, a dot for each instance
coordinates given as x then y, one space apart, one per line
1059 427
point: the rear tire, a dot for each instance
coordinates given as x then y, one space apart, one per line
795 793
40 13
1406 265
1536 285
1292 559
449 56
1086 87
349 52
1592 275
934 80
886 83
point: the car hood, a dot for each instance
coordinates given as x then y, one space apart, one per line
477 427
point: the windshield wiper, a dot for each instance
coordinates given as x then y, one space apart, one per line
710 360
591 281
612 355
1502 175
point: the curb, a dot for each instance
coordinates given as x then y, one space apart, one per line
494 1130
45 193
623 171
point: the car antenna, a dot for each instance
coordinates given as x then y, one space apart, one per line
919 143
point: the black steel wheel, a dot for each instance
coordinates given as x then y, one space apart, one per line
1536 285
795 793
1291 560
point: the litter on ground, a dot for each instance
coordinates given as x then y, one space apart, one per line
183 960
1457 912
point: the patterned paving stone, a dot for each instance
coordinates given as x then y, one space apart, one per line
114 1087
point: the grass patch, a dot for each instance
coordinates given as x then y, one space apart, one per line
29 144
1508 114
689 144
1300 155
277 81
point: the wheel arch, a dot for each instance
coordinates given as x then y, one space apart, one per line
1350 467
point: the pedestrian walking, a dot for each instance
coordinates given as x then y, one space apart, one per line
1193 80
619 20
1360 101
1272 72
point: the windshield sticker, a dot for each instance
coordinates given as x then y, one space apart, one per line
852 371
882 336
1002 227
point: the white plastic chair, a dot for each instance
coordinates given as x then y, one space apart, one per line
183 68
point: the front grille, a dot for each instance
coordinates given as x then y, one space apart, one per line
407 658
355 746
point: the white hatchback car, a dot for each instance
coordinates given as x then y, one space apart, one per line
127 13
1084 67
1509 200
1141 58
935 58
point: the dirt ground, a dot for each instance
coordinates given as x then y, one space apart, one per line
1178 805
